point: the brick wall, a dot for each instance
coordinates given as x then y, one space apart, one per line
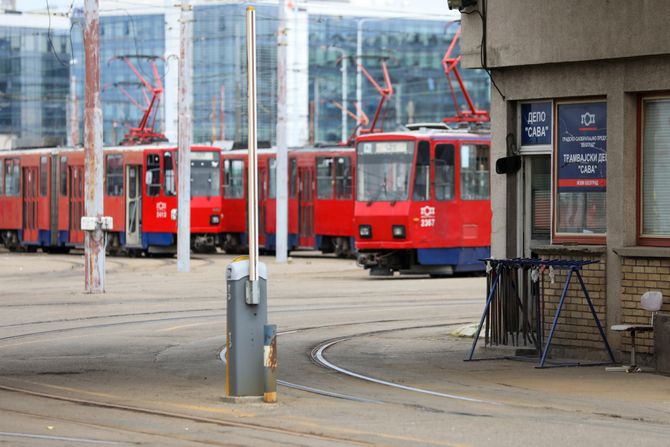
639 275
576 327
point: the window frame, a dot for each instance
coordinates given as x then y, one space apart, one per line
14 163
172 156
342 182
570 238
62 176
154 184
648 241
228 184
459 161
113 175
320 193
449 146
44 176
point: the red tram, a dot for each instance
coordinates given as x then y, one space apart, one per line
42 198
320 200
422 201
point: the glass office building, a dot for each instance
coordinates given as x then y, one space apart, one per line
141 40
412 48
34 81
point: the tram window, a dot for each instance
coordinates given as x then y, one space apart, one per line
170 186
233 187
153 176
2 179
114 175
343 178
422 173
12 178
324 178
44 169
293 177
444 172
474 172
272 178
63 176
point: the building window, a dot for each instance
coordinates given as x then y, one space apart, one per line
581 170
324 178
44 176
421 189
343 178
170 185
12 178
444 172
63 176
272 178
153 176
655 160
474 172
233 171
114 175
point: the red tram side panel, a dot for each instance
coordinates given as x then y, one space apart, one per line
42 198
422 202
320 200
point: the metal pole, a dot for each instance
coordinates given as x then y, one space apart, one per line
184 140
73 134
253 294
94 243
345 92
281 248
317 100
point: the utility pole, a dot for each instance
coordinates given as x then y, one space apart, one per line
94 242
281 248
184 139
345 66
73 119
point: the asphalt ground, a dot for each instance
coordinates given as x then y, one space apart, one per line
140 365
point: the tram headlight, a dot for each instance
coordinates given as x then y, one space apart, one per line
365 231
398 231
214 219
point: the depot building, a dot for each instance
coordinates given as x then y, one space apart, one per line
580 102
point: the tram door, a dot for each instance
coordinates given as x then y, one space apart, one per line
133 205
30 179
262 212
306 207
76 205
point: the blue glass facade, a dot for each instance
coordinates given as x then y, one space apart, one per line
220 67
34 85
141 38
413 50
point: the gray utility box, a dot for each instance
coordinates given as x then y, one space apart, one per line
662 342
244 354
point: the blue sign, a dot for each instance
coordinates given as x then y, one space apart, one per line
582 147
536 123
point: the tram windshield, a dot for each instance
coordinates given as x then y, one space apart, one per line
383 170
205 174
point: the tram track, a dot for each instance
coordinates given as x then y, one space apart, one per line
220 313
187 417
